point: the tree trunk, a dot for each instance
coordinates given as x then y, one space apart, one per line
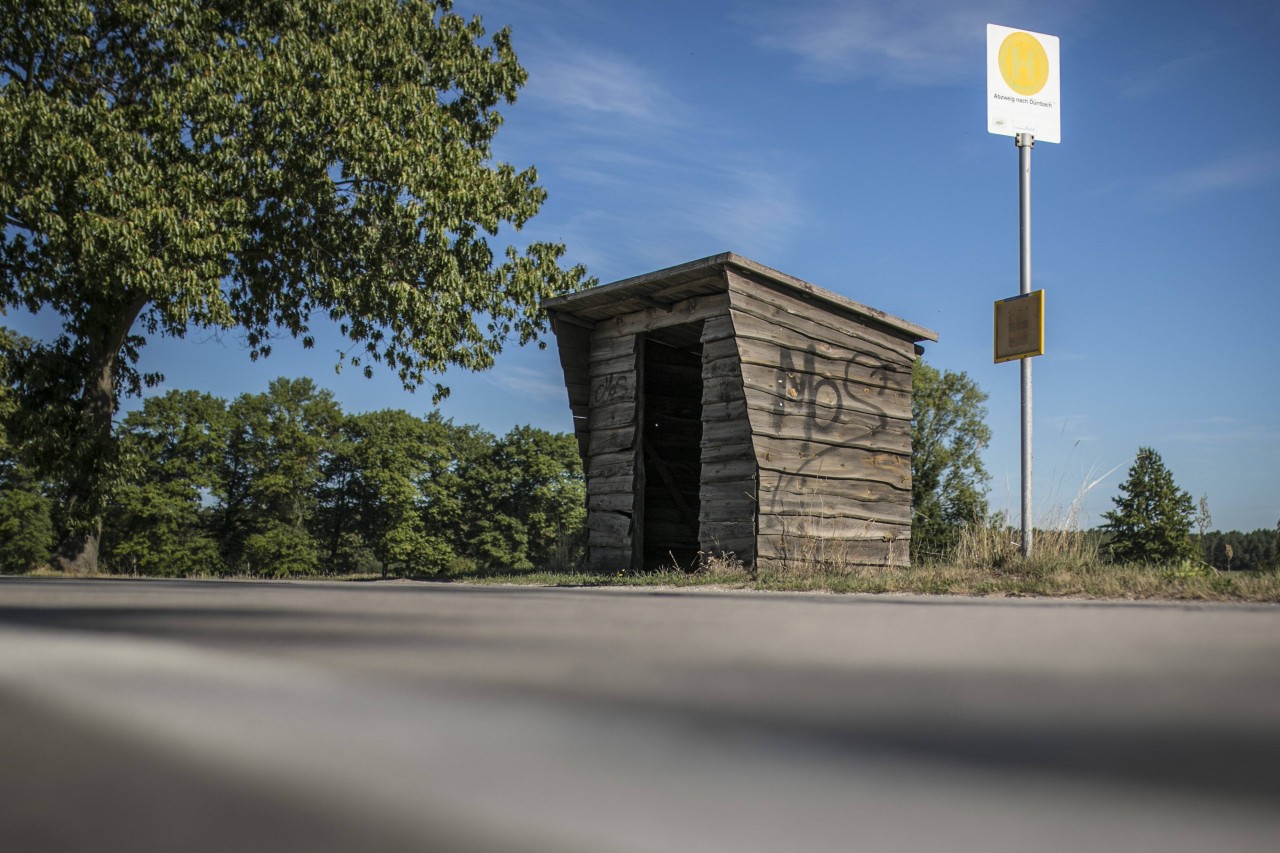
77 552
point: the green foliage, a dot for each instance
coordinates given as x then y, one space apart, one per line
948 480
176 164
26 523
1152 519
157 522
271 471
1255 551
283 483
26 529
280 550
375 485
529 500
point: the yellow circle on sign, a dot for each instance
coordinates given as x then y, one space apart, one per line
1023 63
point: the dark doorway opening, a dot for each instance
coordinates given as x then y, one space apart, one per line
671 445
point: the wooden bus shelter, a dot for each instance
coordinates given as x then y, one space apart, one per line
721 406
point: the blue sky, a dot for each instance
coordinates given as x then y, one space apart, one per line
844 142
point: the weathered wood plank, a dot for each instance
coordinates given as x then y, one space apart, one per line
725 502
830 528
621 484
579 393
769 405
716 433
648 319
722 390
728 367
613 388
741 547
619 463
759 317
604 366
682 287
717 349
612 546
754 331
713 411
607 560
773 303
611 415
722 529
772 482
608 440
623 502
831 557
610 523
817 391
732 471
728 491
832 554
794 359
763 402
718 533
815 459
823 383
853 435
830 505
728 452
772 308
606 344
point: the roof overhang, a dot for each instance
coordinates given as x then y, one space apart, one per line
666 287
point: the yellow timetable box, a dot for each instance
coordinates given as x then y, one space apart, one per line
1020 327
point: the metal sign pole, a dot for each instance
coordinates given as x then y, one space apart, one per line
1025 142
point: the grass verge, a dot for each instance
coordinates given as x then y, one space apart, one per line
1096 582
1066 564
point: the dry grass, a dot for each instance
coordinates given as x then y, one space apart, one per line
1065 562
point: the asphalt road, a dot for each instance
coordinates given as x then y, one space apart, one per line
210 716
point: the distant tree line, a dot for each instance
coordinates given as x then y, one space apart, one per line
285 483
1258 550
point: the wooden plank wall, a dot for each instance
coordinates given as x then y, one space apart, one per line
613 478
828 399
573 342
727 497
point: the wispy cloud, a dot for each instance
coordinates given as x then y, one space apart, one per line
683 206
658 180
904 43
599 84
527 383
1225 434
1238 171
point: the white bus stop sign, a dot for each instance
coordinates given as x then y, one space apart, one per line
1024 88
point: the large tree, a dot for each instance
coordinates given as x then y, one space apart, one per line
269 483
374 492
251 165
1152 519
26 527
158 518
948 480
526 501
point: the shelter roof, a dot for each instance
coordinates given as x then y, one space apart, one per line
664 288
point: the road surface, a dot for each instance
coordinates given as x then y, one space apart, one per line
141 715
